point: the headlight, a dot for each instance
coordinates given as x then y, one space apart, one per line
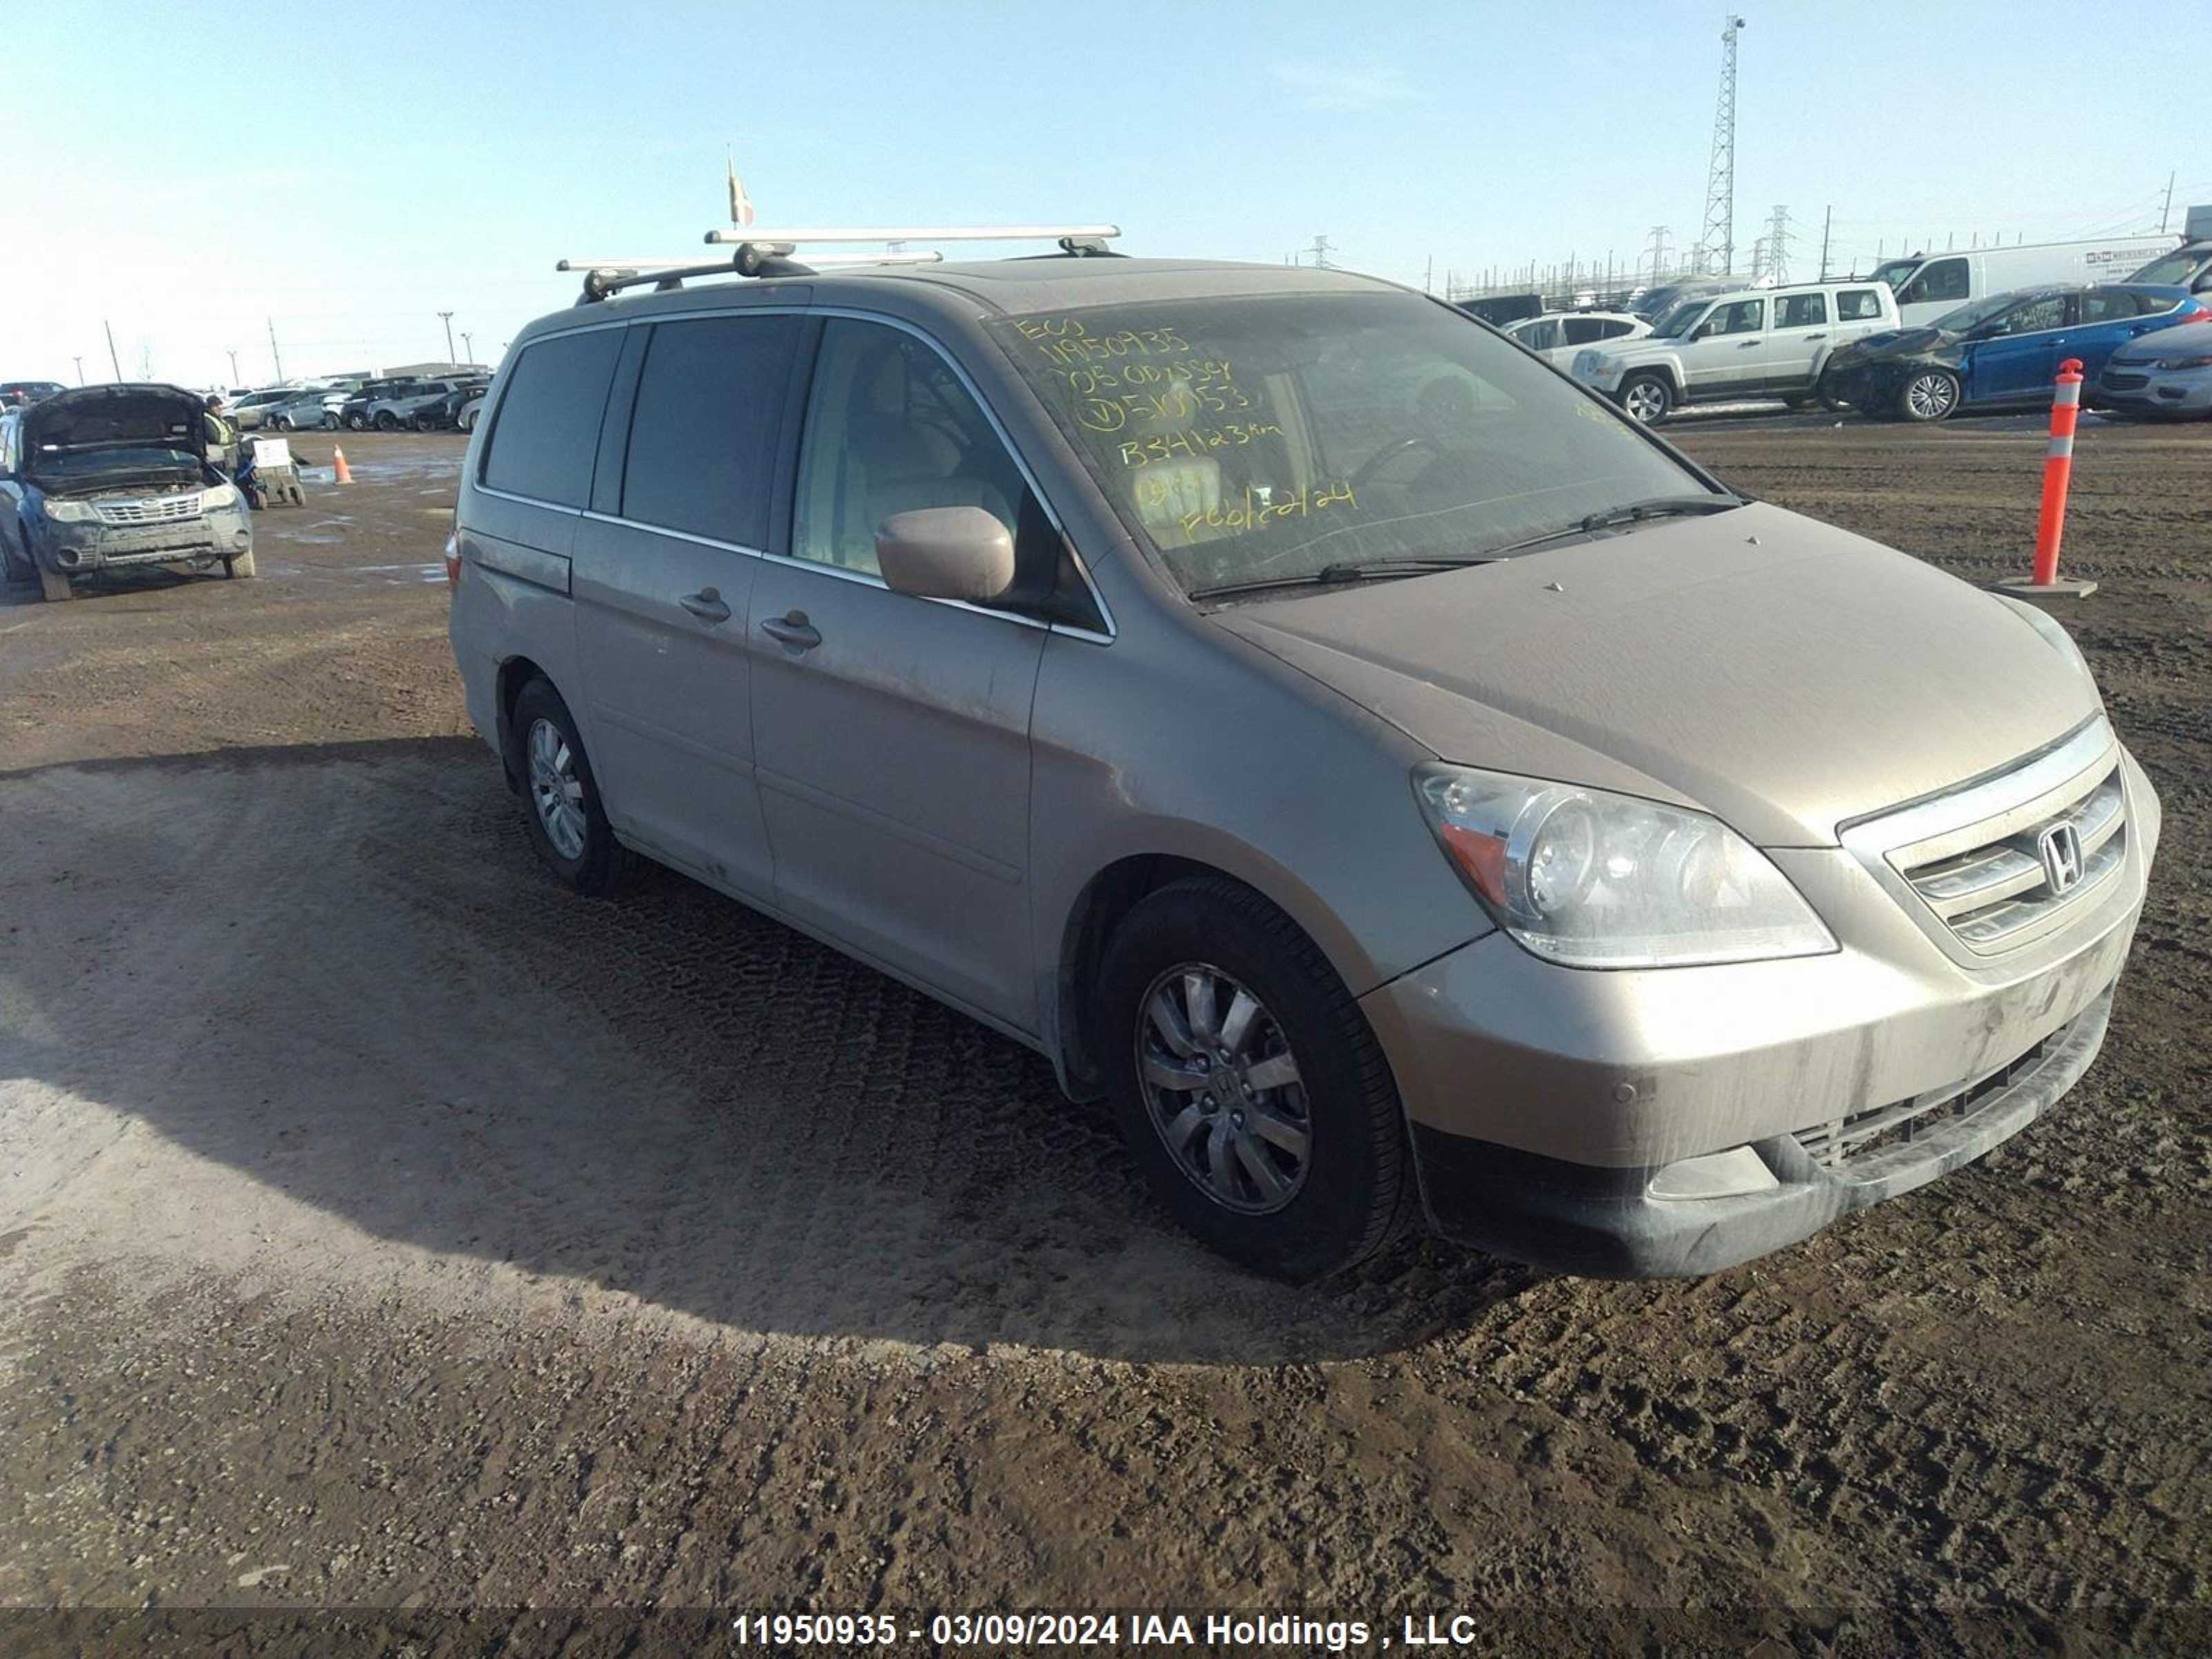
1585 365
1592 879
68 511
2203 360
222 494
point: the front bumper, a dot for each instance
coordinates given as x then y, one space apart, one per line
2167 392
1546 1101
77 550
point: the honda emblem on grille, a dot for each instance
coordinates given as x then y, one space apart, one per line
2061 848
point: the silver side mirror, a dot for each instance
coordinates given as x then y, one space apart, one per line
946 553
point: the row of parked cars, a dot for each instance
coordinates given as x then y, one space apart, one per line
1870 342
388 405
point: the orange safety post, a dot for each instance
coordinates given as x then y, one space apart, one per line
2057 476
2057 471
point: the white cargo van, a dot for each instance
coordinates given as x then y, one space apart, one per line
1928 285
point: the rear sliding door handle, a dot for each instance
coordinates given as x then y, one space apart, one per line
706 604
794 629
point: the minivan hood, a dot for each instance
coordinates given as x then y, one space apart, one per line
1784 674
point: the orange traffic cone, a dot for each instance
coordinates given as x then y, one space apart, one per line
338 465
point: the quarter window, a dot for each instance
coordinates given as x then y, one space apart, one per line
548 431
1858 305
1581 331
1801 310
703 433
891 430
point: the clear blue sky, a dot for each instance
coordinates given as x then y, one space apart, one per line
372 165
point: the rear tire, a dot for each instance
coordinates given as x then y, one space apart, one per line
386 420
53 587
567 826
1273 1134
1647 397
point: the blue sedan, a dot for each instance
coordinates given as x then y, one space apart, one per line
2000 353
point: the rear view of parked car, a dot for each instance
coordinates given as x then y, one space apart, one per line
107 477
1999 354
2168 372
1388 774
1557 336
19 394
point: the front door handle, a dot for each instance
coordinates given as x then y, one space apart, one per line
707 605
1748 345
794 629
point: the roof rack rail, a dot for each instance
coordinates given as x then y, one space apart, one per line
757 253
605 277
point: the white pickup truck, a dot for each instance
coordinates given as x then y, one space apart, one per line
1729 348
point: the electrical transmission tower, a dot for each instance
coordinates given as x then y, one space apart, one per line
1777 245
1718 242
1659 234
1320 250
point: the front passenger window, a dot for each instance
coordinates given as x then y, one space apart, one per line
890 429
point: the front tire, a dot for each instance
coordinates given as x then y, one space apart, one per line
568 825
1648 398
1248 1085
1928 395
386 420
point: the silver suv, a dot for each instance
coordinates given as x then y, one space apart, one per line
1389 773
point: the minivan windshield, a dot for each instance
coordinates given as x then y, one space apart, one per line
2175 270
1895 273
1269 439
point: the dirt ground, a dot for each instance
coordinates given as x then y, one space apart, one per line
382 1228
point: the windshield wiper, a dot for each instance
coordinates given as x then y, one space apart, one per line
1330 575
1659 506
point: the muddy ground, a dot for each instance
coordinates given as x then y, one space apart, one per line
382 1228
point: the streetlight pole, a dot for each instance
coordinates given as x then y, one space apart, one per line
79 362
446 317
468 349
114 363
232 353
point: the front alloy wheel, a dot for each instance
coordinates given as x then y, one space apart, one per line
1928 395
1222 1090
1646 399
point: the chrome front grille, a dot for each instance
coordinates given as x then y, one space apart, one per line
151 509
1989 894
1996 865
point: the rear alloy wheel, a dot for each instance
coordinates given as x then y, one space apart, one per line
386 420
1829 393
1928 394
566 826
1647 397
280 423
1248 1084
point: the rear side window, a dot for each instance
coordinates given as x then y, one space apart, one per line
1581 331
2105 305
703 432
1614 330
548 430
1801 310
1858 305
